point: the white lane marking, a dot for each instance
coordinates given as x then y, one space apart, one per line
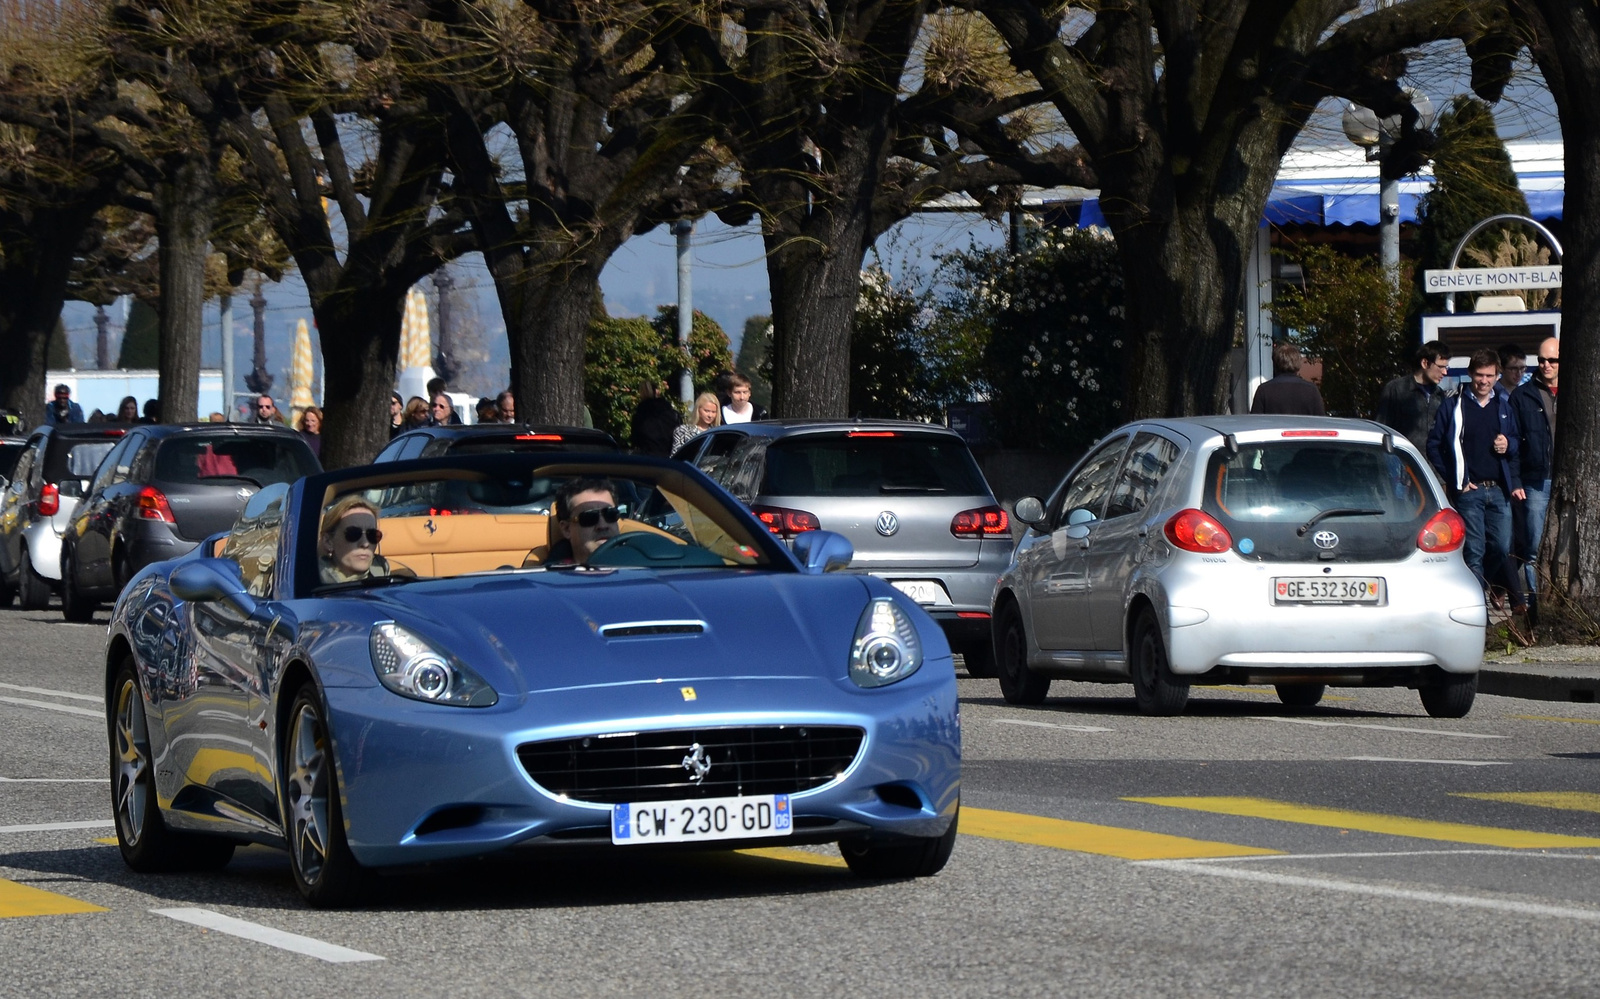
1455 763
97 698
1520 854
68 709
281 939
1039 724
52 780
1380 891
1381 728
54 826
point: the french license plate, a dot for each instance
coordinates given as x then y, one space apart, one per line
923 591
1327 590
701 819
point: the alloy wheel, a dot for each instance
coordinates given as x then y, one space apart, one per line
307 793
133 763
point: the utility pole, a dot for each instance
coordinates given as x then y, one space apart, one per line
683 229
442 283
102 339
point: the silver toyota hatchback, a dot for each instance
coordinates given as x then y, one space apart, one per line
909 496
1294 551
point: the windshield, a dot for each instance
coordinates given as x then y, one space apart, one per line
463 521
1374 500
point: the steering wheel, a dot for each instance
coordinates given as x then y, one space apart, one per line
645 549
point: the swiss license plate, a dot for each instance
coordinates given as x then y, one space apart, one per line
1327 590
701 819
923 591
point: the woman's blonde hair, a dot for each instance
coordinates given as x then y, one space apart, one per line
308 411
337 512
700 400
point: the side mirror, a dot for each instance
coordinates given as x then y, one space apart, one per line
1030 510
1082 515
204 580
823 551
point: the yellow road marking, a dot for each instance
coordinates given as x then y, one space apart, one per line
25 900
1571 801
107 840
1392 825
793 855
1265 691
1084 837
1575 721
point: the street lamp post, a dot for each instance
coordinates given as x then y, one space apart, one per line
1363 127
683 229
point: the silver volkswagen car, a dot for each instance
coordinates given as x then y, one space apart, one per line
909 496
1293 551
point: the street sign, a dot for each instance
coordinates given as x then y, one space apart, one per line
1480 279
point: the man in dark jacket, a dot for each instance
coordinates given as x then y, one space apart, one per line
1473 447
1534 402
1409 402
654 421
1286 392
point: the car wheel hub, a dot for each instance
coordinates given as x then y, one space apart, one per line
308 796
133 764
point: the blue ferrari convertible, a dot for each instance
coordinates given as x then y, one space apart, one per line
427 660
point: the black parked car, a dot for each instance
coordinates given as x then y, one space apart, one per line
493 438
50 475
10 450
161 491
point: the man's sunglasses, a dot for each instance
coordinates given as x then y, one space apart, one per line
265 405
589 518
1549 360
354 534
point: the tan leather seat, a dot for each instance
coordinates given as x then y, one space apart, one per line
453 545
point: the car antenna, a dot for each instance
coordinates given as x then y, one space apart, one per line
1388 443
1233 444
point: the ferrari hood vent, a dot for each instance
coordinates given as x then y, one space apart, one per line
647 629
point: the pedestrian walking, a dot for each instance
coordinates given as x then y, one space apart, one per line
152 411
739 408
1513 365
1286 393
128 410
416 412
1474 448
310 429
63 410
397 415
267 410
1410 402
655 421
1534 402
506 403
707 414
488 412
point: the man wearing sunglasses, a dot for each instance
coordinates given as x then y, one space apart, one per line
1535 404
586 517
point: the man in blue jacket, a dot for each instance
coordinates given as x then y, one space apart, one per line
63 410
1535 404
1473 446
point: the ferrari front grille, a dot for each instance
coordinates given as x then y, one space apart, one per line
691 763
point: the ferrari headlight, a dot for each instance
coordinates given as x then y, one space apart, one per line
411 667
886 647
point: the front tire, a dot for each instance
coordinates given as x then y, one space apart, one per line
325 871
1449 697
146 843
1156 690
31 587
1018 683
75 606
979 658
905 857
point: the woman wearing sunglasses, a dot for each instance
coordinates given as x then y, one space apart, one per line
586 517
349 542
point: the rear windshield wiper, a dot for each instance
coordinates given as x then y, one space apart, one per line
1338 511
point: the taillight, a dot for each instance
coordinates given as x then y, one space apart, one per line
985 522
1195 531
1444 532
152 505
786 523
49 500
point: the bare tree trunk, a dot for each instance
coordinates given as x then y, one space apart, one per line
547 314
815 284
358 372
34 268
1566 45
186 211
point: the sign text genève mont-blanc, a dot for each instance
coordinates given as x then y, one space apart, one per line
1470 279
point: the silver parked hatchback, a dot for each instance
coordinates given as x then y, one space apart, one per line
909 496
1295 551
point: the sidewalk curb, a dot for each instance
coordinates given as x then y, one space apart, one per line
1538 682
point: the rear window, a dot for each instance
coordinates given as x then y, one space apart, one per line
70 462
1372 500
863 465
259 459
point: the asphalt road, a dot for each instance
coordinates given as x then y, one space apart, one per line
1358 849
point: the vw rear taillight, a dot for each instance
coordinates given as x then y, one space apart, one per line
983 522
1445 531
1195 531
786 523
49 500
152 505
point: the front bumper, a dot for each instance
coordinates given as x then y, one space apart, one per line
403 763
1433 615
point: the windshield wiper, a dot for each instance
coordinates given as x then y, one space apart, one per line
1338 511
887 488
